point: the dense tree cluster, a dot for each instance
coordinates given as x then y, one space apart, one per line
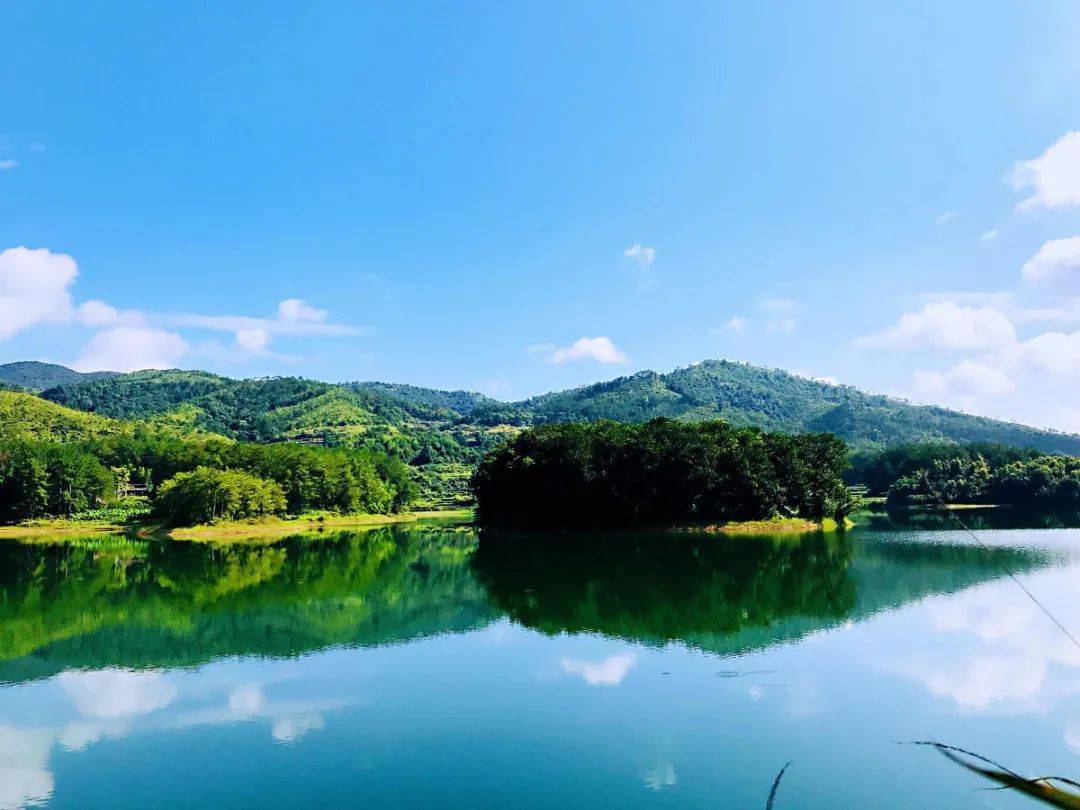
1043 481
879 471
661 471
43 478
206 494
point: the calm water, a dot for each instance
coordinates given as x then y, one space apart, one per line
415 668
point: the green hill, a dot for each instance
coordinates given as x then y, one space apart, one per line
429 400
29 416
427 425
773 400
39 376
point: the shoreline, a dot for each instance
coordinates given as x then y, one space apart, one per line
273 528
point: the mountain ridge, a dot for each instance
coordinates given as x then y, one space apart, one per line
35 375
439 424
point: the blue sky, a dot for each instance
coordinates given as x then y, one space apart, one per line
451 194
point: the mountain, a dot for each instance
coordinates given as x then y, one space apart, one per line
773 400
39 376
428 425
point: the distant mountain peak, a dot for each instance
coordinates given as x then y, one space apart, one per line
38 376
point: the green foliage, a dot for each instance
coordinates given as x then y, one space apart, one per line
205 494
661 471
428 402
26 416
38 479
1048 482
770 399
878 471
121 510
437 431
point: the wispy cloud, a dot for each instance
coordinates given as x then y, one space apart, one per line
8 165
642 254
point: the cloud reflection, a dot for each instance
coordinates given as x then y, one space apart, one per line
608 672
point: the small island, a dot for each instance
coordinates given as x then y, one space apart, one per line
663 473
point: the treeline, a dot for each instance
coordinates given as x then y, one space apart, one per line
879 471
660 472
40 478
1049 482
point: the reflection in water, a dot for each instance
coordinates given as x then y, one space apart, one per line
726 596
600 651
174 604
163 605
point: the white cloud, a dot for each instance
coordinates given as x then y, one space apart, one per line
780 314
600 349
1054 176
542 349
296 309
609 672
112 693
253 340
8 165
641 254
989 236
965 379
273 326
735 324
129 348
946 325
98 313
782 325
1051 353
826 379
34 288
945 218
1055 259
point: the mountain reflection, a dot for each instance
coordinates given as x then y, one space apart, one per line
136 605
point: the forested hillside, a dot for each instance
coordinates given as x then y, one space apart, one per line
421 426
444 433
770 399
39 376
26 416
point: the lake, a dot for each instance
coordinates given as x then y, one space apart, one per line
417 667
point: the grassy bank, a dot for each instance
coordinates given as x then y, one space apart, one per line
273 528
777 526
270 528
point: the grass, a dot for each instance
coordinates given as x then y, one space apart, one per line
273 528
59 527
777 526
269 528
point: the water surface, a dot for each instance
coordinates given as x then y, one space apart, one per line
416 667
